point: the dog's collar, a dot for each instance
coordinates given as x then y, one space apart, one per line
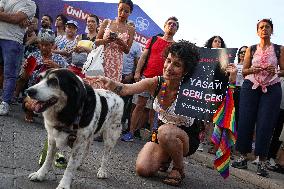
72 130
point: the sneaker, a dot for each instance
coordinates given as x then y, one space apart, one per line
270 164
200 147
256 161
14 100
4 108
261 170
128 137
253 146
240 163
137 134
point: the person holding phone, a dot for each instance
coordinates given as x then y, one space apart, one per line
117 37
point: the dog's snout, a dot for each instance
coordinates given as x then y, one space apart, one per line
31 92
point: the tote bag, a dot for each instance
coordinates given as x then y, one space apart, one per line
94 64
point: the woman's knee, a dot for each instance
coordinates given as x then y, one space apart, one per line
165 133
142 170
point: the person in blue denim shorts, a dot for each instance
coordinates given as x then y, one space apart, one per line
14 18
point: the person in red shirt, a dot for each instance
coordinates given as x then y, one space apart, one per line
154 67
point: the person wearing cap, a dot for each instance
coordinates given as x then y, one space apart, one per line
14 15
39 61
65 44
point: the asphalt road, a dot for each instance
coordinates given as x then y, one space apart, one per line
21 143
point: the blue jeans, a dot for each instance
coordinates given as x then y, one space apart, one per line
260 110
12 53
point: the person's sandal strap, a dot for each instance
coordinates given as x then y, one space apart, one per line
176 179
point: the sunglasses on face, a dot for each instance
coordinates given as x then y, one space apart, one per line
243 52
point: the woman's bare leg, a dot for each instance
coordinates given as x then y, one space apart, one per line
175 142
150 159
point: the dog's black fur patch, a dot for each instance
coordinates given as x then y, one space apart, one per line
89 107
103 113
79 96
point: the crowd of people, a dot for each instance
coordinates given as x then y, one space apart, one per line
148 81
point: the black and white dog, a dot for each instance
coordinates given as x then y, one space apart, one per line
73 114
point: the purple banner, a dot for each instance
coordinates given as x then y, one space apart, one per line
79 10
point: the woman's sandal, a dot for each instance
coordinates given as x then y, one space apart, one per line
175 177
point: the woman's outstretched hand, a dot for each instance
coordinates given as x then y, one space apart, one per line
101 80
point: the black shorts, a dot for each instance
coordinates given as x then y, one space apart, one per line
192 132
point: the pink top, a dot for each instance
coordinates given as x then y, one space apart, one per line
263 58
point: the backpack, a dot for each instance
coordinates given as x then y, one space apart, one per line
153 40
155 121
277 50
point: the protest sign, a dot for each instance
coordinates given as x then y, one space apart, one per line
202 92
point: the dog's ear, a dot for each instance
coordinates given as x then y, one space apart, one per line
48 71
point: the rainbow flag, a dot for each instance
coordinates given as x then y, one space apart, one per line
224 134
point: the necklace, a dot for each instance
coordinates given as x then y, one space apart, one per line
163 92
154 137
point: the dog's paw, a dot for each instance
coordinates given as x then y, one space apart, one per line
36 176
102 174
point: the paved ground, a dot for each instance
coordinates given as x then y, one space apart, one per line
21 143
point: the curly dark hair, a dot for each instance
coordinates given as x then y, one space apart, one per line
209 42
239 51
187 52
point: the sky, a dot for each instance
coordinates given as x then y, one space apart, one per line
234 20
